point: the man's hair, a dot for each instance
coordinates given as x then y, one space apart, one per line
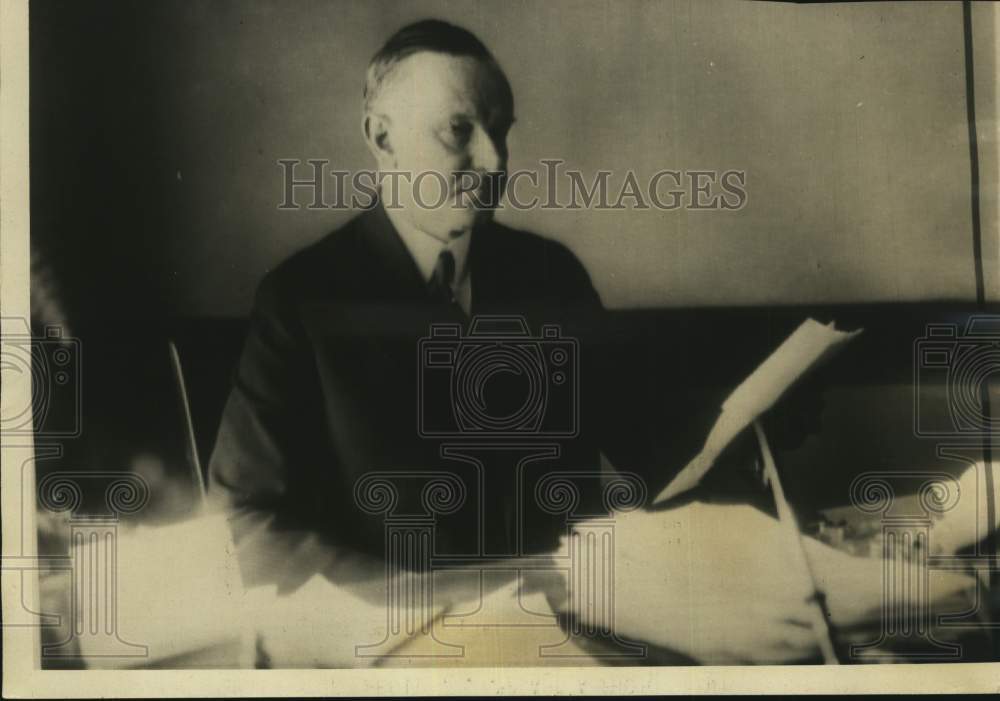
435 36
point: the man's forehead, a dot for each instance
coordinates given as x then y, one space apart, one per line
428 81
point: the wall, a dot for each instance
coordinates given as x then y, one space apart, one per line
156 130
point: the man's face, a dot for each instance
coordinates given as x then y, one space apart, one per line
444 117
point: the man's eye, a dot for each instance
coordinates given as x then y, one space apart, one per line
460 130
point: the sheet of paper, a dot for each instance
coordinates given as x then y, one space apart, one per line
504 600
714 581
968 520
507 623
808 346
323 625
177 591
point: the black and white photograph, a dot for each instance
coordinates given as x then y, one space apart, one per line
444 347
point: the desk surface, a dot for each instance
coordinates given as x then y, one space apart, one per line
465 646
505 627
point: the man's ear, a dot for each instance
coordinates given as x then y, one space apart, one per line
376 128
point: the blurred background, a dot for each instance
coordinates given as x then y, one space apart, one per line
157 126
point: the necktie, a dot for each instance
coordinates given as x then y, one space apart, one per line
443 277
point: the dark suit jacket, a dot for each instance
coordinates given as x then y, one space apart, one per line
327 392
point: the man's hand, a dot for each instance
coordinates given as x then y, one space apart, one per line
710 582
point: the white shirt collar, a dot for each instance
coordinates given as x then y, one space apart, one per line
425 248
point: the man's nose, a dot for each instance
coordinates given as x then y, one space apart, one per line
486 155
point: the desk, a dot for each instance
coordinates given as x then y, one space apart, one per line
471 637
494 647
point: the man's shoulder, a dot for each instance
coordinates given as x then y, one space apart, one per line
529 266
333 262
343 264
521 238
534 255
530 247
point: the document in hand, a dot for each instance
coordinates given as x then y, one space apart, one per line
713 582
810 344
969 520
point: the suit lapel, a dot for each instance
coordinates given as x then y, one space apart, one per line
395 273
481 270
395 276
491 279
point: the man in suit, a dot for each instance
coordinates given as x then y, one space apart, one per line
328 386
334 386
